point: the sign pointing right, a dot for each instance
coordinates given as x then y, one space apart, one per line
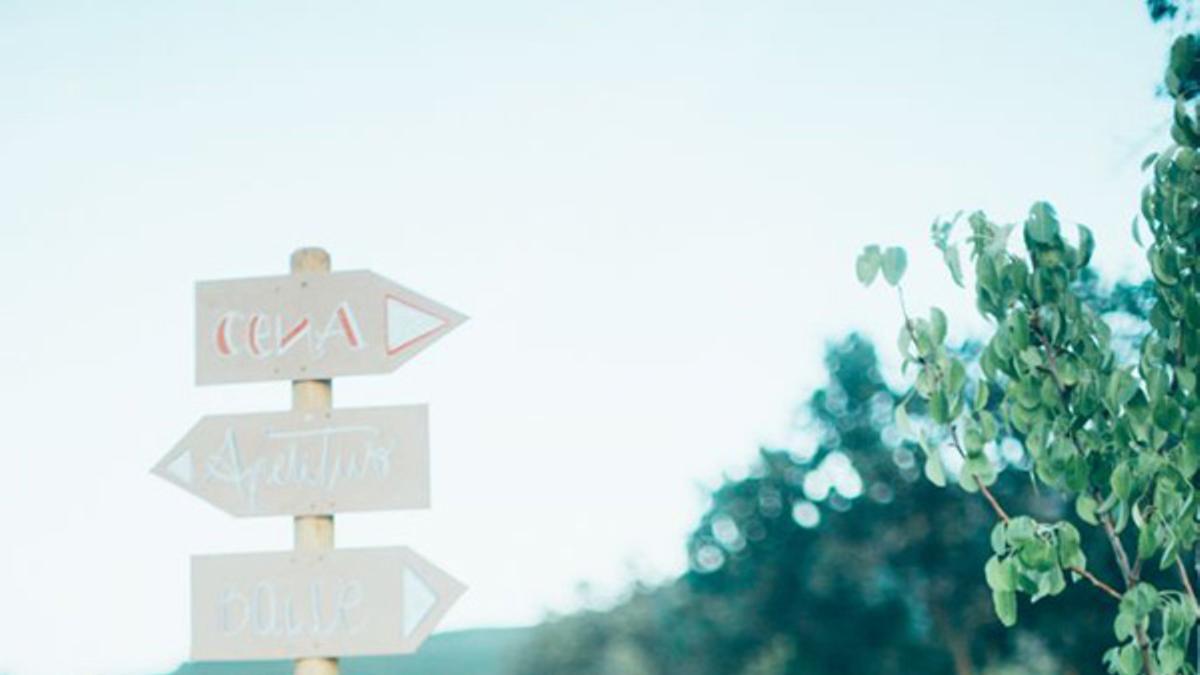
311 326
344 602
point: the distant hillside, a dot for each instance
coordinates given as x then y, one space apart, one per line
469 652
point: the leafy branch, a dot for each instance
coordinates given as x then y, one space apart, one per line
1064 399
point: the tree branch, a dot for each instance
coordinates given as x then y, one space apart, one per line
1131 572
1109 590
1118 550
983 489
1187 583
1131 579
991 499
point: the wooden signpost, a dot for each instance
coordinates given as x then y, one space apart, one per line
313 604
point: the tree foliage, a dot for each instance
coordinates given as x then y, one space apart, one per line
837 558
1116 432
1162 10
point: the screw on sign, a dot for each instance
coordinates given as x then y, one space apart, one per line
313 604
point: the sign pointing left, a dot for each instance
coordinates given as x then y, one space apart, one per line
296 463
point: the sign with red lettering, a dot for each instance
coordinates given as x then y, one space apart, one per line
311 327
288 605
300 463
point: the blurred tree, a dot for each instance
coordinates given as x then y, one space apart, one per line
838 559
872 571
1177 16
1162 10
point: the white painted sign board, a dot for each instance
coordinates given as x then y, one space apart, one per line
301 463
287 605
311 326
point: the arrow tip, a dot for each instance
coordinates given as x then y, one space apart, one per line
419 598
177 468
407 324
427 594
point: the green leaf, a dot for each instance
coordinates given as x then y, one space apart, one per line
987 421
981 397
1129 660
956 377
895 260
1187 378
954 264
1170 657
1191 312
1006 607
904 343
966 481
939 407
1087 246
986 275
1178 619
972 439
1120 389
1147 541
1068 370
1070 553
867 265
1000 538
937 323
1020 530
1168 415
1124 625
1001 574
934 470
1048 394
1005 603
903 423
1122 481
1170 552
1042 224
977 466
1032 357
1018 329
1050 582
1164 263
1140 601
1038 554
1085 508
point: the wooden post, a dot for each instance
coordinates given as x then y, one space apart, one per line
313 532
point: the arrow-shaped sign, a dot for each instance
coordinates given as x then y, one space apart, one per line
296 463
345 602
311 326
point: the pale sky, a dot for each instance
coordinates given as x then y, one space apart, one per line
649 210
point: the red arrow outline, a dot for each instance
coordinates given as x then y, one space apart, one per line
396 350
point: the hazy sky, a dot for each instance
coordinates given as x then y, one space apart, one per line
650 210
